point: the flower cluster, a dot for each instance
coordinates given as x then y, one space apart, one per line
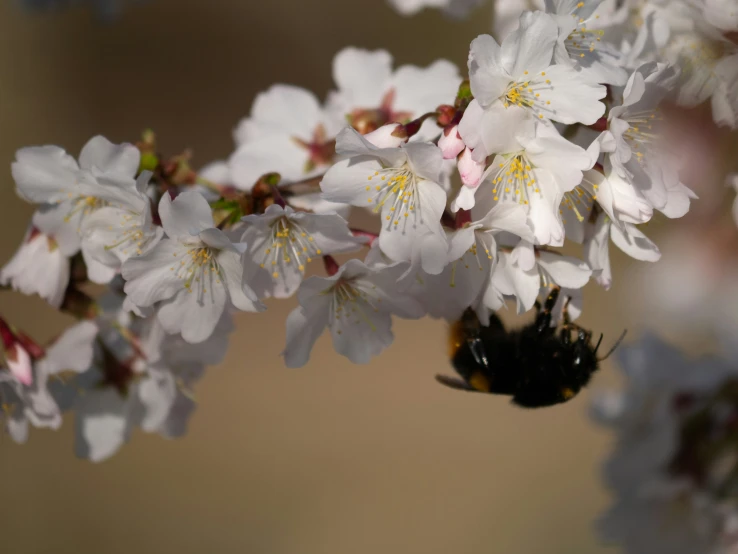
674 467
475 183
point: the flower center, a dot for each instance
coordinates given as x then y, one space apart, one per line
396 188
292 247
579 202
583 40
527 94
469 259
352 304
366 120
320 150
515 179
197 270
130 235
641 136
84 205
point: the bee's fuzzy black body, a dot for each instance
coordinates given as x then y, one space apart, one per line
538 365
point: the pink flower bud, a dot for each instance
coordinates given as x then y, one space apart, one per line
450 142
19 364
386 136
470 171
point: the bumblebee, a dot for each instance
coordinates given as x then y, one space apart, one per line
538 365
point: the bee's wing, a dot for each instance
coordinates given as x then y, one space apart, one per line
476 346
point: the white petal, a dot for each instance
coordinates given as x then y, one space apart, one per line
186 216
153 276
422 89
346 181
283 110
573 99
156 394
121 159
102 424
487 77
73 350
195 314
530 47
566 271
363 336
425 159
634 243
97 272
240 293
304 325
51 220
330 232
44 174
269 154
362 75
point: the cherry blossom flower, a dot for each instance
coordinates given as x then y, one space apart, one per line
580 42
401 183
534 167
282 242
524 271
356 304
521 73
640 156
104 177
370 94
194 273
41 265
472 260
451 143
288 132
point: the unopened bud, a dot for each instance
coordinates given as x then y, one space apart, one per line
450 142
19 364
391 135
469 170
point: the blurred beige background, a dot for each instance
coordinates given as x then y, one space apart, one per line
328 459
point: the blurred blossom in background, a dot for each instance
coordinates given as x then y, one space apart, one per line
336 457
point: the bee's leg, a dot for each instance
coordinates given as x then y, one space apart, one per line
543 321
568 325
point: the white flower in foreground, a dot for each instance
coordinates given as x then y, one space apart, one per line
401 183
626 237
640 156
195 272
281 242
288 132
524 271
370 94
535 167
356 304
580 42
105 176
472 258
122 230
41 265
33 403
673 467
521 73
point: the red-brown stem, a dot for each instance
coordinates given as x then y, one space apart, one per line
599 125
462 218
34 350
331 265
7 335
